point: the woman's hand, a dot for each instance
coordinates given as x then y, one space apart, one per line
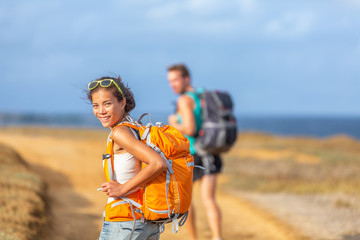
113 189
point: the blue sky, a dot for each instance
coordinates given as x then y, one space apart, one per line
274 57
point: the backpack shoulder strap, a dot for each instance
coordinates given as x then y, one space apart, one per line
195 95
134 129
132 124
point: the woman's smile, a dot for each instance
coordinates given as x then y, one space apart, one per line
107 108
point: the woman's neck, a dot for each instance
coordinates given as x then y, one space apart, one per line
120 121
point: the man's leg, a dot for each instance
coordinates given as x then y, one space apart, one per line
190 223
208 187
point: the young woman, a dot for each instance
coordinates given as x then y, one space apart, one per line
112 102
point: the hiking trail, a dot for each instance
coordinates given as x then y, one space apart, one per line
72 168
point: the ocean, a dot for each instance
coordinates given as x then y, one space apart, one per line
313 126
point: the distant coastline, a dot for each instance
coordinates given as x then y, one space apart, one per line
315 126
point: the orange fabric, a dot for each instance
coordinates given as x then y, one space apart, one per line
176 148
120 212
123 212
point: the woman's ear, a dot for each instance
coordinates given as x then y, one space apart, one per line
123 103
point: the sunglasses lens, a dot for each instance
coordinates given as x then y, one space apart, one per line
106 83
92 85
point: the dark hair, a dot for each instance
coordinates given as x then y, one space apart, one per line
180 67
126 92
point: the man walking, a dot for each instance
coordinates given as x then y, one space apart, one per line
187 120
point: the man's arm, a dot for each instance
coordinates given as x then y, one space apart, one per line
185 108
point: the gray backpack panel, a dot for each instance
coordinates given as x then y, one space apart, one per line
218 131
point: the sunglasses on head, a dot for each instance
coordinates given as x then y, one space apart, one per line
104 83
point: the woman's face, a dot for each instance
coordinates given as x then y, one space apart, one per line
107 108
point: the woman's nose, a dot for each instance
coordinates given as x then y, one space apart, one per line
102 109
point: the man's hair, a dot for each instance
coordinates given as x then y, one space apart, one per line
180 67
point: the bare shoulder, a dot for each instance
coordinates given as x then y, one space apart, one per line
122 134
185 101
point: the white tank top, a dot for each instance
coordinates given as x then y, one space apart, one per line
126 166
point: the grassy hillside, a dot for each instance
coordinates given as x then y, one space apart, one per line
266 163
22 198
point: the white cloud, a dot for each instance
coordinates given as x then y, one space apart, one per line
215 27
248 6
208 8
212 17
352 2
165 11
172 10
291 25
211 7
203 5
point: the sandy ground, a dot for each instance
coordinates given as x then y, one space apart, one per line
333 216
72 169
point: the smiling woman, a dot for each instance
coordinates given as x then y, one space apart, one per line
112 102
110 91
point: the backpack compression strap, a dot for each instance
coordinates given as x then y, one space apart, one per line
108 160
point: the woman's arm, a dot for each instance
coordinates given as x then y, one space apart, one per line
124 138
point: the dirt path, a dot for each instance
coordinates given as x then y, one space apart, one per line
72 168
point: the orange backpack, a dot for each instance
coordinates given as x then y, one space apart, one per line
168 196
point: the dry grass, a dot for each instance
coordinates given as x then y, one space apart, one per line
266 163
258 162
74 133
22 199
